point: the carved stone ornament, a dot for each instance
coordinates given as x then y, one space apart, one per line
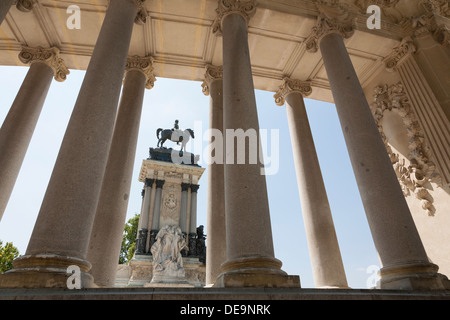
399 54
245 8
48 56
212 73
440 7
415 170
333 18
292 85
145 65
25 5
166 251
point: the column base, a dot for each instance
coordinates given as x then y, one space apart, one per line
260 272
418 276
46 271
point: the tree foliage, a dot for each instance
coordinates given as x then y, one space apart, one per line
129 240
7 254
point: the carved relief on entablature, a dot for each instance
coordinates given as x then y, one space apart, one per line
333 18
428 23
440 7
414 170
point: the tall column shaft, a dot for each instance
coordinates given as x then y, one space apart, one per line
326 261
193 219
250 253
18 127
404 260
106 236
215 205
183 210
62 231
157 207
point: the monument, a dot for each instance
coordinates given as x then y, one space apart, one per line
170 247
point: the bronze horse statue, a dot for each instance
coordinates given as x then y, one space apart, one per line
174 135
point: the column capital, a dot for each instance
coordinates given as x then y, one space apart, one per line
405 49
292 85
159 183
431 23
144 65
212 74
25 5
185 186
333 18
49 56
245 8
194 187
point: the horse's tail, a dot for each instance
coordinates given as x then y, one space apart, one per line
191 132
158 131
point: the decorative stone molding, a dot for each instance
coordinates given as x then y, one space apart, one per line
25 5
399 54
48 56
292 85
142 14
212 73
333 18
144 65
414 176
245 8
440 7
429 23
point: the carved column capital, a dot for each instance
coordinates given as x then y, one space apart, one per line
333 18
245 8
399 54
194 187
25 5
289 86
48 56
144 65
212 74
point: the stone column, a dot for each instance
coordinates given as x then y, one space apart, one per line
62 231
326 260
18 127
405 264
215 206
250 253
183 210
193 220
107 231
157 207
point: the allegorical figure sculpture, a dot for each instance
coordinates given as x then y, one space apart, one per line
166 251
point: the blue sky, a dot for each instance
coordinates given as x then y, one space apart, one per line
184 100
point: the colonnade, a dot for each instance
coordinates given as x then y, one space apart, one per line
85 203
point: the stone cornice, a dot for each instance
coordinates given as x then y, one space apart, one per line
212 74
245 8
48 56
399 54
144 65
333 18
290 86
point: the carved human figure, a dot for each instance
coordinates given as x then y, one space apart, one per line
166 251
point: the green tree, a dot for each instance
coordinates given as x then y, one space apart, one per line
7 254
129 240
